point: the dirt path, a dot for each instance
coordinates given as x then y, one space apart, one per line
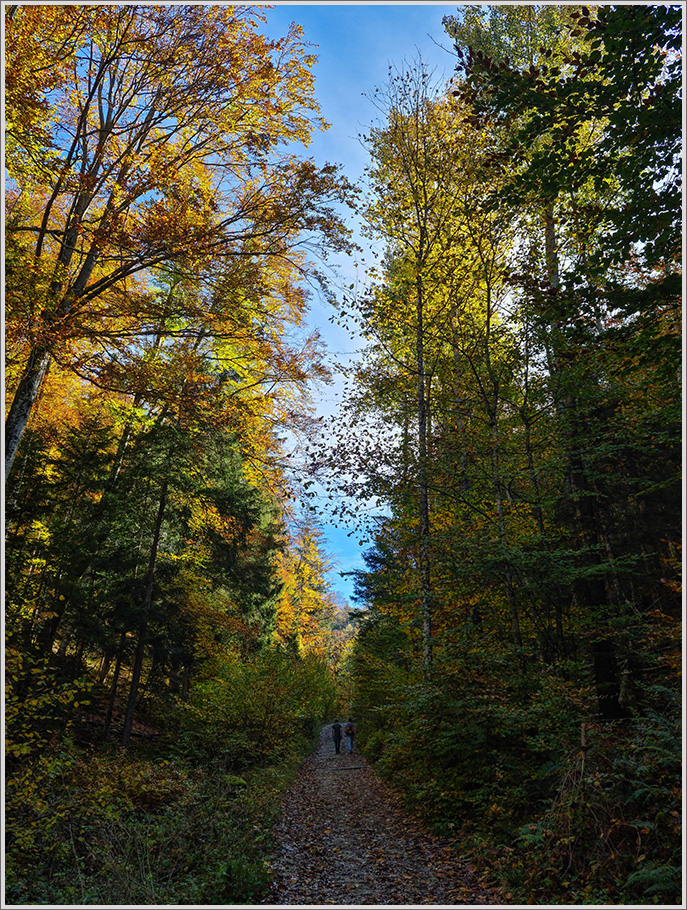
345 839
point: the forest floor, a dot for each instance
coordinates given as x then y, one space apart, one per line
345 839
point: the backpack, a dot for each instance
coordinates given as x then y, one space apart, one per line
349 729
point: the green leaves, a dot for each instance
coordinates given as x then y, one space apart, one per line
245 711
617 85
551 423
84 826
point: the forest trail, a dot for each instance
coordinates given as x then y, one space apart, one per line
345 839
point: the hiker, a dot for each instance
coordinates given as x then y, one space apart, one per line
349 730
336 735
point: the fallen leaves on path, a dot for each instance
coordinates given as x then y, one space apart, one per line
345 839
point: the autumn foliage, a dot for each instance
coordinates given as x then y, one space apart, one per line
508 447
160 240
517 669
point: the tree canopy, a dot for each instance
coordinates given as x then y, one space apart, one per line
524 317
507 449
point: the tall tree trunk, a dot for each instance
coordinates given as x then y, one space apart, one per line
143 625
45 639
115 683
551 246
607 680
22 404
538 515
104 667
424 554
515 634
591 591
492 400
458 400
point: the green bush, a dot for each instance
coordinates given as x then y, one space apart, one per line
39 705
469 750
613 828
495 760
246 713
107 828
192 826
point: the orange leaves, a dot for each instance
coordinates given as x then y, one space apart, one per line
166 132
306 606
39 49
178 122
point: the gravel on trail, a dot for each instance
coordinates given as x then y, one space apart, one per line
345 839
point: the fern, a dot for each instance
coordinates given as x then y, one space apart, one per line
657 880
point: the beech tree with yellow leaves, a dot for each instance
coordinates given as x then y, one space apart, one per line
164 126
552 456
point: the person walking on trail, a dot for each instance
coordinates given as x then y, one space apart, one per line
336 735
349 730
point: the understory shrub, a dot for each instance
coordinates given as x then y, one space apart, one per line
496 761
39 704
613 826
251 712
107 828
184 821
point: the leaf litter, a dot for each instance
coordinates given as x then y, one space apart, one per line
345 839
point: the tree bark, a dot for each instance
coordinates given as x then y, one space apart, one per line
424 554
551 246
591 591
143 626
515 633
458 403
22 404
607 680
115 682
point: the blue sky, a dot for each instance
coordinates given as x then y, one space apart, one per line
356 43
